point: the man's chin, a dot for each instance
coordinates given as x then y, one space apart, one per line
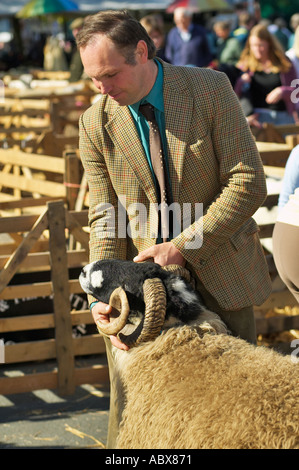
118 99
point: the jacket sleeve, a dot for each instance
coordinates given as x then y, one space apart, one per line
103 201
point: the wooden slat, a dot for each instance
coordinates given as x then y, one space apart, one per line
92 375
34 161
89 344
40 322
28 383
273 154
41 289
21 252
81 217
26 323
287 128
14 224
279 300
24 223
42 260
274 171
46 349
81 317
46 188
26 112
14 203
72 177
30 351
77 231
49 380
59 273
277 324
24 130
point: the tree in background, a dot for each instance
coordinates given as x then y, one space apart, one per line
284 8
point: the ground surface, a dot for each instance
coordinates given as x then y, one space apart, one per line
45 420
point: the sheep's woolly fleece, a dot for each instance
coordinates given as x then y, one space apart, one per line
188 390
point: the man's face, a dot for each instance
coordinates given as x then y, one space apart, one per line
107 68
182 22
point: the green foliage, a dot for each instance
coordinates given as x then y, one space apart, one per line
284 8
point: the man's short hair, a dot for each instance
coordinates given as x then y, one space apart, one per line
121 28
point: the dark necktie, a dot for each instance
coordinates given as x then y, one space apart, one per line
157 159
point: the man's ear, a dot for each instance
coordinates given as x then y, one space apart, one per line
142 52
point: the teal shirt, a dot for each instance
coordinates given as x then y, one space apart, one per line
155 98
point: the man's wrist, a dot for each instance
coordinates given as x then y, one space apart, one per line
92 305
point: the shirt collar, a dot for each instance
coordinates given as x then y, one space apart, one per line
154 96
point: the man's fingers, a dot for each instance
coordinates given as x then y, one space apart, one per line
118 344
145 255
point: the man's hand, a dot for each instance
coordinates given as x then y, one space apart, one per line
163 254
101 312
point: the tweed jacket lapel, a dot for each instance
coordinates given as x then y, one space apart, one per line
123 133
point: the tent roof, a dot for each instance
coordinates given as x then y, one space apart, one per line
11 7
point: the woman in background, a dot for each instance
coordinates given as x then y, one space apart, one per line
266 79
154 26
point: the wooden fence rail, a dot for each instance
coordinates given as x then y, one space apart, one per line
28 180
55 221
42 242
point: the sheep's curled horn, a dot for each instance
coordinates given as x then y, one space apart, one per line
155 308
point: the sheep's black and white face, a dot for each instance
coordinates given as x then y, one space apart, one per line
95 281
102 277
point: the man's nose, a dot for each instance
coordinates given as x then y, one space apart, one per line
103 86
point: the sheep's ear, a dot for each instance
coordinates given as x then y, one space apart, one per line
118 318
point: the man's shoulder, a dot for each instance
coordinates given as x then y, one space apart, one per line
197 75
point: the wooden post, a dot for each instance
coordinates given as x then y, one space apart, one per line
72 177
62 308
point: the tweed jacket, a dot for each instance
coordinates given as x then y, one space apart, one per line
213 160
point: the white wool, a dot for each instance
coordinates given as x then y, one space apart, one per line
97 278
180 287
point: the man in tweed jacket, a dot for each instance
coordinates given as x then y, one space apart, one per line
212 159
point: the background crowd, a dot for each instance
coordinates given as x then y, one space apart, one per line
260 56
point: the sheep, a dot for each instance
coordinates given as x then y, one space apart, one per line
196 390
136 282
194 386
